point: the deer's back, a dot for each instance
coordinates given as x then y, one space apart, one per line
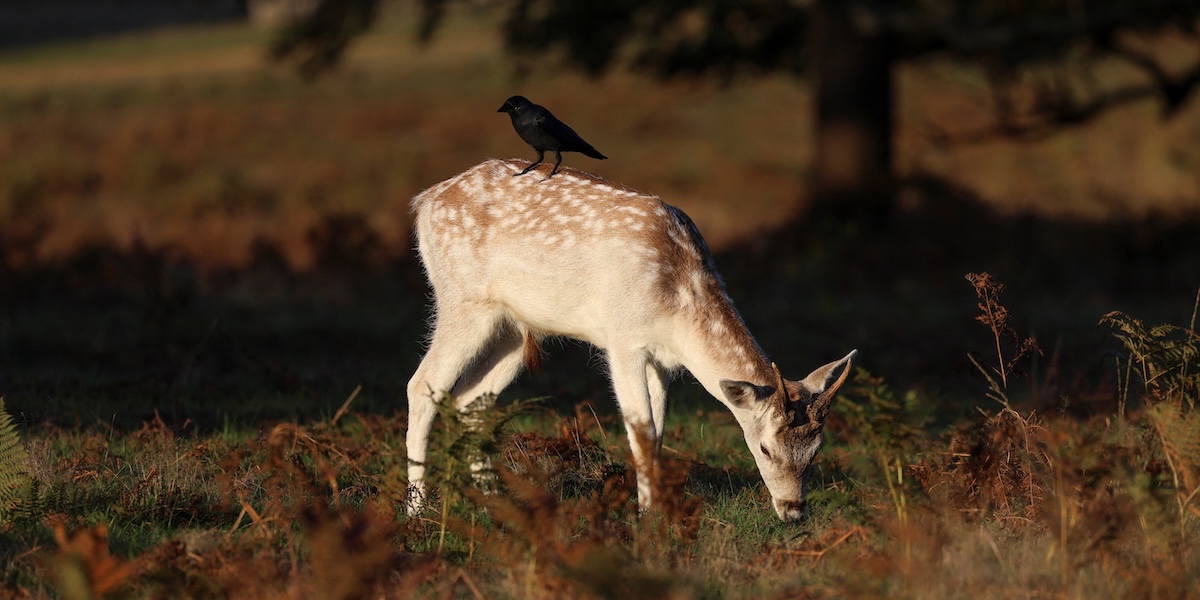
572 252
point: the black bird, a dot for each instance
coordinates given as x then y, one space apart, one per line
543 132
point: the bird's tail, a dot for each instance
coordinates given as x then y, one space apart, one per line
592 152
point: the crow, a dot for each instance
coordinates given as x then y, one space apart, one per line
543 132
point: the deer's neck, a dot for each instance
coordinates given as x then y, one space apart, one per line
717 345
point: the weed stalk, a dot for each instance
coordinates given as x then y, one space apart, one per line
996 317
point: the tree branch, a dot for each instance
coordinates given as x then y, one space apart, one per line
1174 91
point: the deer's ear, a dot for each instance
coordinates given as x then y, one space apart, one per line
824 383
743 393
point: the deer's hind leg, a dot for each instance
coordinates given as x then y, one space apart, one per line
657 381
462 333
500 363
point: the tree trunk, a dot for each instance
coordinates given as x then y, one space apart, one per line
853 166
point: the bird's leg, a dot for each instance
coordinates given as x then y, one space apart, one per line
557 161
537 162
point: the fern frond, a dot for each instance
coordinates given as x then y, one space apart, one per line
1162 356
1180 432
15 480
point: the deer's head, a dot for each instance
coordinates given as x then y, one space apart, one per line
782 421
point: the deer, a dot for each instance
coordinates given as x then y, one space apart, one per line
514 260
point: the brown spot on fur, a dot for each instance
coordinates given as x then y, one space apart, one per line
532 352
520 164
645 451
574 209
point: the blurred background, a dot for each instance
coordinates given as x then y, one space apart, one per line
204 203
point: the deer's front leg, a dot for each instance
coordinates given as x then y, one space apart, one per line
629 370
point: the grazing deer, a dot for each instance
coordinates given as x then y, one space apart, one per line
512 260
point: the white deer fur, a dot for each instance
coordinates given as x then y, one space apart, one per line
514 259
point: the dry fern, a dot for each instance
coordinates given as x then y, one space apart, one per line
1163 357
1179 430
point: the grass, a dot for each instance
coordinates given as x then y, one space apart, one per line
904 502
205 515
202 258
165 492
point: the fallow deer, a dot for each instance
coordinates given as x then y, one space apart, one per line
513 260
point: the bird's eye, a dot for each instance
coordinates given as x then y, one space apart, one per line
765 452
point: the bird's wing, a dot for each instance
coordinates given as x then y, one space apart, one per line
550 125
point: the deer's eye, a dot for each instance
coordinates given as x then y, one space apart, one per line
765 452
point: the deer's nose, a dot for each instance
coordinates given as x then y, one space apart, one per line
789 510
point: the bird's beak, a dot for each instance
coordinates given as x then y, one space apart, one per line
502 108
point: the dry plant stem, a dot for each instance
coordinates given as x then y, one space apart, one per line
345 405
997 392
599 426
470 583
898 499
1186 507
1191 332
442 523
819 554
257 521
996 316
1062 525
1195 306
1124 387
989 302
532 571
989 292
471 542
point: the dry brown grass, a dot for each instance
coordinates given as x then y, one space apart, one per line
1010 505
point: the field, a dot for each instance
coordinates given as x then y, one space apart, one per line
209 310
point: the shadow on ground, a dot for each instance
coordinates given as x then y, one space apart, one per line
110 338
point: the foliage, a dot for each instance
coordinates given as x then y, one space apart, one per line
1043 57
15 480
466 440
1166 360
1179 430
887 427
1162 357
316 41
462 448
878 419
666 38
